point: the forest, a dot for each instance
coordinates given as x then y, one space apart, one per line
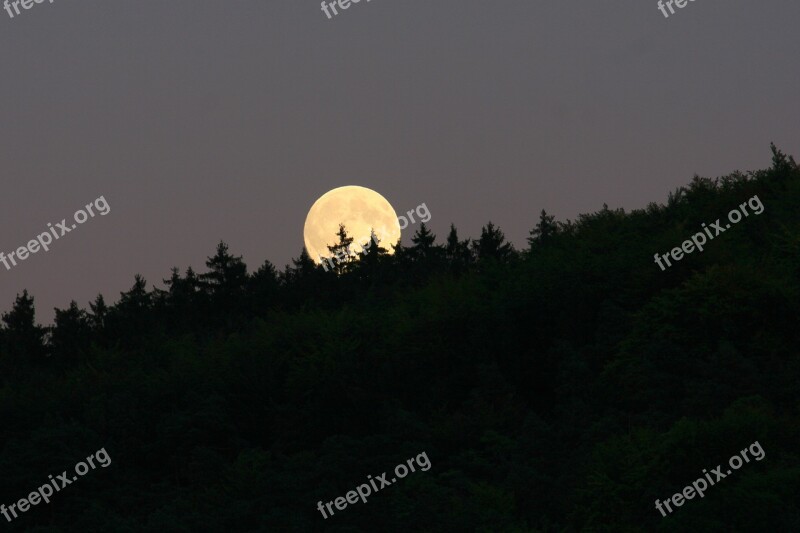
563 386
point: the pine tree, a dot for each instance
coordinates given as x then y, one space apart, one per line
181 290
227 273
303 267
545 230
457 252
369 258
423 240
492 244
71 333
24 338
264 285
341 254
97 318
174 281
137 298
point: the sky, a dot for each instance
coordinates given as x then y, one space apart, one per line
200 121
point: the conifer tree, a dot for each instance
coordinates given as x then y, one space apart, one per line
457 252
341 254
303 267
544 231
24 338
492 245
264 284
370 256
71 332
423 240
227 273
137 298
97 318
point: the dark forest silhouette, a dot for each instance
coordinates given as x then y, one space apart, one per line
565 386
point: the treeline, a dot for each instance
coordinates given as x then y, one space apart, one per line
226 296
562 387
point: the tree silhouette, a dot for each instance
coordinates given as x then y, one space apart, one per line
340 252
227 274
492 245
457 252
137 299
545 230
23 337
97 318
423 240
264 286
371 259
223 394
71 333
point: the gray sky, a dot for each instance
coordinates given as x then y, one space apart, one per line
203 120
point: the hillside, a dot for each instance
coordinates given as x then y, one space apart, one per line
562 387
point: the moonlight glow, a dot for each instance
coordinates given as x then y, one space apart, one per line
360 210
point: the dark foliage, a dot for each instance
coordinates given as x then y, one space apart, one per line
560 388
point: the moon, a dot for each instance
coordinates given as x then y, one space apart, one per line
360 210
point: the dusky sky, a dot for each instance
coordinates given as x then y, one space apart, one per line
203 120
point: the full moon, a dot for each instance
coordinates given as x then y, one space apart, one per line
360 210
